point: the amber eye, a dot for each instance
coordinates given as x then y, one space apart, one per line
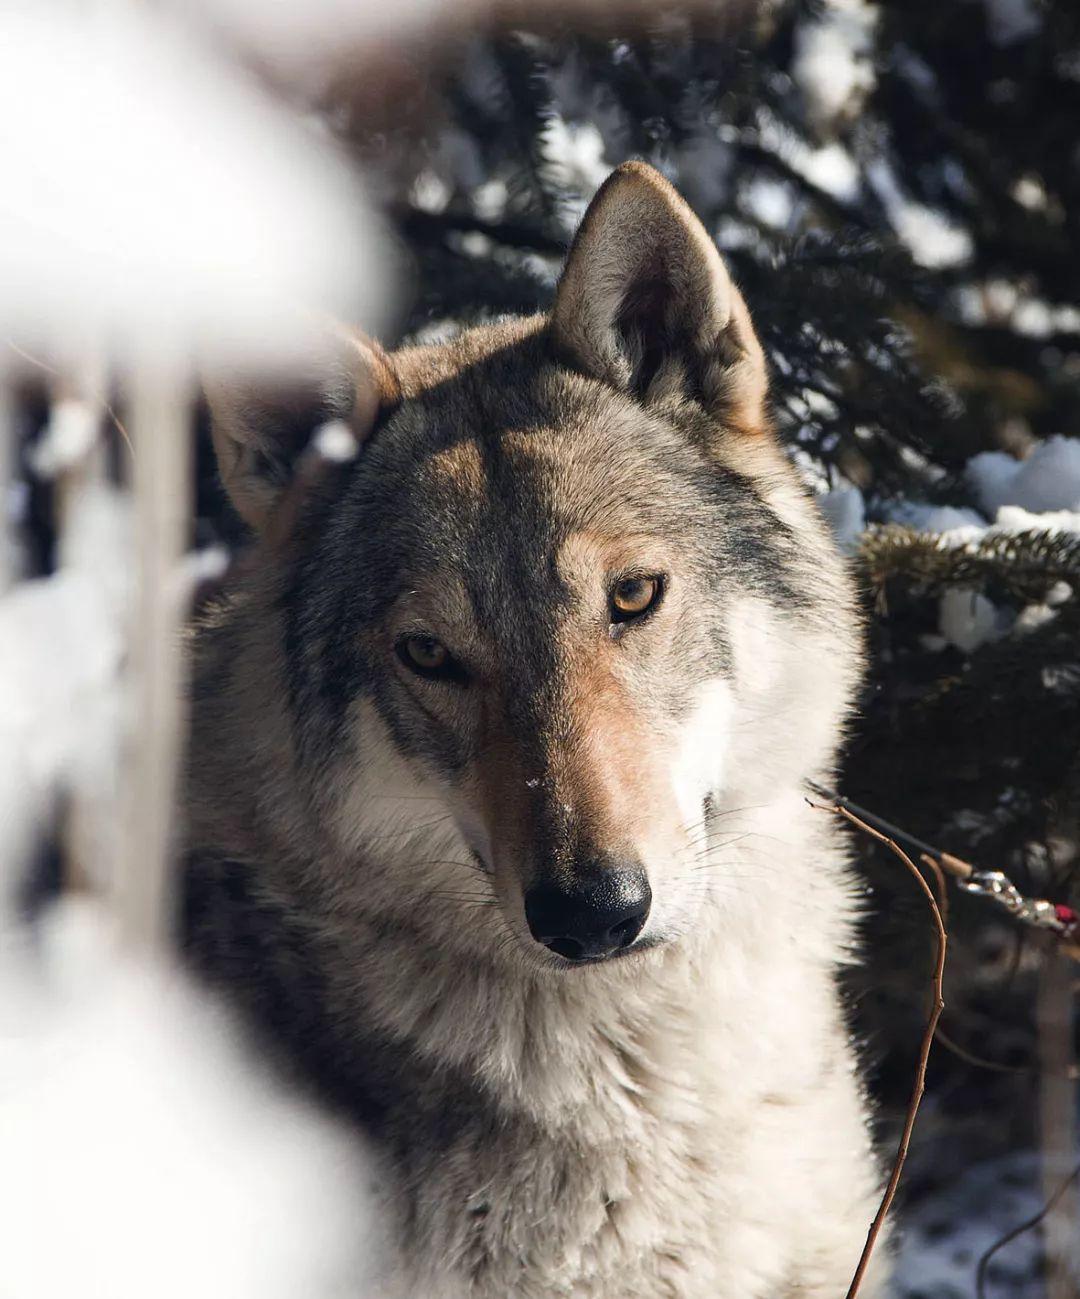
428 657
426 652
631 597
423 654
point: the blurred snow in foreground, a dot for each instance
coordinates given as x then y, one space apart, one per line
155 195
145 1149
156 205
146 1153
300 36
62 648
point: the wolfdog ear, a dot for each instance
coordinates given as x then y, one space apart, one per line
646 303
261 424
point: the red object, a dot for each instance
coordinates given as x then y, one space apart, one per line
1066 915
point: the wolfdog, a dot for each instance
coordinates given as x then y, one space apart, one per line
495 823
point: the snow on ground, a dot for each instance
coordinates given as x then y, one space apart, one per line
944 1236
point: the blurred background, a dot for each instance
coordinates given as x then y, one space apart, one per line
896 187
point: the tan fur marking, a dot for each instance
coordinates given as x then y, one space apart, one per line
461 467
616 785
595 553
615 772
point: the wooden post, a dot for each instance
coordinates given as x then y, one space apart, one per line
91 827
7 473
160 412
1057 1122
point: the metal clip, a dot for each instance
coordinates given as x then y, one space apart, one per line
1032 911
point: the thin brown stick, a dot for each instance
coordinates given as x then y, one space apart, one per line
924 1051
941 888
980 1061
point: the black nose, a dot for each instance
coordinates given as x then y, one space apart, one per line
591 918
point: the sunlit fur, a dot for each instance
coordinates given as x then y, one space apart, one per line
684 1120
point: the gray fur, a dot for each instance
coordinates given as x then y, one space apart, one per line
685 1120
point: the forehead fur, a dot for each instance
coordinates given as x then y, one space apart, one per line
498 453
605 550
419 369
459 470
492 423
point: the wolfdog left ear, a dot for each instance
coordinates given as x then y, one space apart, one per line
261 425
646 303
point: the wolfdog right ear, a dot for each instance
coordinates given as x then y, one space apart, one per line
262 424
646 304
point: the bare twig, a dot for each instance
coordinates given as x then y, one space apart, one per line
940 887
924 1051
995 1066
984 1262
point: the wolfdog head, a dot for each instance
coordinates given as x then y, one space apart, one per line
566 607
